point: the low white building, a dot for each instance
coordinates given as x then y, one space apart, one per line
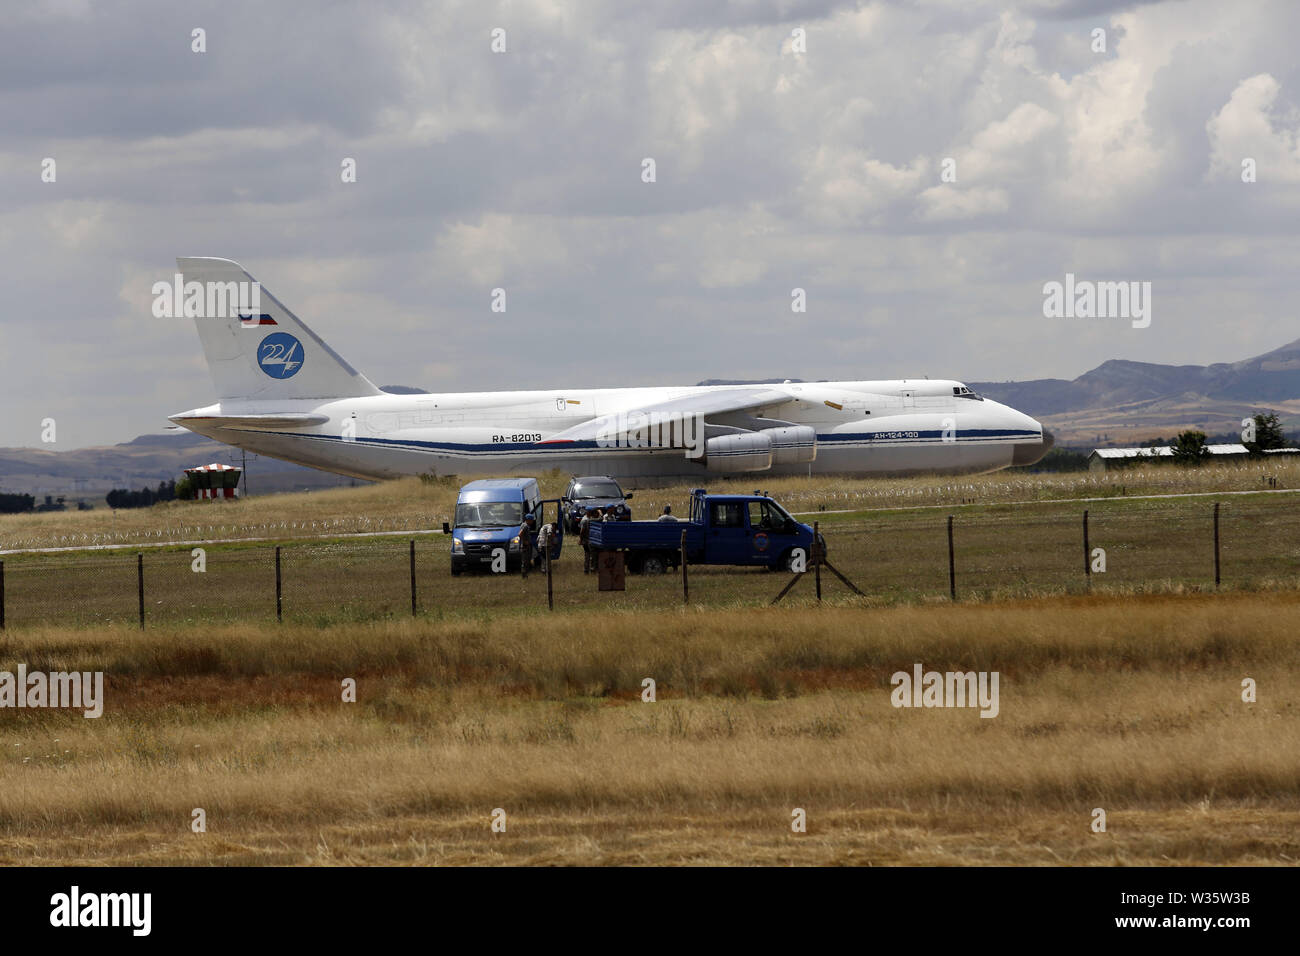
1103 458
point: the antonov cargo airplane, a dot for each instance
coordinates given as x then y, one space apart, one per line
283 392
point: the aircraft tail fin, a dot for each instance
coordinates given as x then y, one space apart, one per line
255 347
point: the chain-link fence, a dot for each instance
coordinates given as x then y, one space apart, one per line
995 550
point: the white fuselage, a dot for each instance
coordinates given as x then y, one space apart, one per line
862 428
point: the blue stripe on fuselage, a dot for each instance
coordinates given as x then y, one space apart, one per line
587 445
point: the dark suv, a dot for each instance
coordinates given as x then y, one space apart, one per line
590 493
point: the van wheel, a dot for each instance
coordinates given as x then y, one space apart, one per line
653 564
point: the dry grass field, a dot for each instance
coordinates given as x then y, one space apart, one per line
1128 703
896 555
412 505
1122 693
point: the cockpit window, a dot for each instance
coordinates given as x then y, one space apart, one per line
961 391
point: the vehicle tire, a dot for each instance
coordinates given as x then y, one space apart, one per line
455 571
653 564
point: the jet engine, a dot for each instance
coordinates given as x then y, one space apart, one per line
742 451
739 452
793 444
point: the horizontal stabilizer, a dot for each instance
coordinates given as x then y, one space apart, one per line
254 422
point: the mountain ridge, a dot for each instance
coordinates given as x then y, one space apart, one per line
1271 377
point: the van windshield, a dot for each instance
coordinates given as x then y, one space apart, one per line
489 514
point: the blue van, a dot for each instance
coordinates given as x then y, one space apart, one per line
490 514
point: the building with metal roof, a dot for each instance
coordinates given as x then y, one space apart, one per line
1103 458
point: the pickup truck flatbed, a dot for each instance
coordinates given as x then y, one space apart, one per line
748 530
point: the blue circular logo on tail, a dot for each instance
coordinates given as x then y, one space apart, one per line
280 355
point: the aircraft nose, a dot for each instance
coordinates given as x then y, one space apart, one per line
1029 454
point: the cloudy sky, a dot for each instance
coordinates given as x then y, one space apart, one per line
780 163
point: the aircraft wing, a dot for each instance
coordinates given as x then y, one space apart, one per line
717 401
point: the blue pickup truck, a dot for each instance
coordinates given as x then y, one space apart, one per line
722 529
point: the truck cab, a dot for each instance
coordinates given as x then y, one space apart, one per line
747 529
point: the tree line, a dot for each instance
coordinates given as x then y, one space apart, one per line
11 504
144 498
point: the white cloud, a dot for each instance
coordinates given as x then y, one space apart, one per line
775 170
1246 128
950 202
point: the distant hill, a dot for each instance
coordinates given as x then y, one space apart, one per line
90 473
1271 377
1120 401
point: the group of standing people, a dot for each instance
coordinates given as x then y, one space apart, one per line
584 535
530 537
533 542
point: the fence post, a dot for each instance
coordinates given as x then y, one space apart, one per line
278 615
686 584
817 559
1216 544
952 564
139 580
412 577
1087 552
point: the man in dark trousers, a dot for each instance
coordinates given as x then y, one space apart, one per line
526 537
584 536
